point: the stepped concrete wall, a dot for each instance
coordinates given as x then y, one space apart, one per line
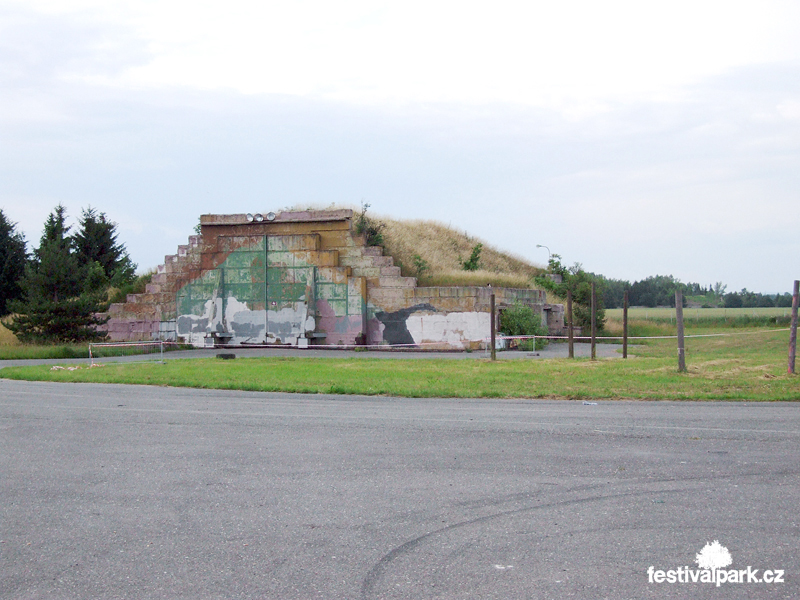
304 278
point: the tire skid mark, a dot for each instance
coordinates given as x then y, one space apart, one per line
374 575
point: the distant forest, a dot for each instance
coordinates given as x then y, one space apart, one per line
659 290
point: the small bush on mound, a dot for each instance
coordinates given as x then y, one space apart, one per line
473 263
521 320
370 228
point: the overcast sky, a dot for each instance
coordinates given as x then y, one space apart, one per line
637 138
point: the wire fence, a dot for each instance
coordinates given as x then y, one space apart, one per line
152 351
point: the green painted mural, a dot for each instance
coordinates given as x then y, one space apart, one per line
269 290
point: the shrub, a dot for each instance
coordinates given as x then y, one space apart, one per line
521 320
370 228
473 263
421 266
579 282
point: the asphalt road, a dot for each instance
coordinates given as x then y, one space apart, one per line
139 492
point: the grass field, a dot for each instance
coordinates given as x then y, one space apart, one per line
17 351
662 313
736 367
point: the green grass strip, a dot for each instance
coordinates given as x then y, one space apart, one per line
725 368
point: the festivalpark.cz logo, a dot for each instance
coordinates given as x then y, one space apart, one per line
711 562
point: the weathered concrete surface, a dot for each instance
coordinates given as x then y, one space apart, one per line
304 278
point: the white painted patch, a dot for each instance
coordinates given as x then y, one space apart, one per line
287 325
452 328
233 308
199 325
246 325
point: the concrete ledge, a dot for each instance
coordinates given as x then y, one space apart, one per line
303 216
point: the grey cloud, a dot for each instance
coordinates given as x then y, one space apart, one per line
512 175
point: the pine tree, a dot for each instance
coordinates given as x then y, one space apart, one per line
56 272
96 241
13 258
56 307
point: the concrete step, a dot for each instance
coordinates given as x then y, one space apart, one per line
393 282
376 271
150 298
136 311
367 271
358 262
350 251
390 271
334 274
373 251
383 261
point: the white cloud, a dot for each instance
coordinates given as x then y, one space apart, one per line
573 56
789 110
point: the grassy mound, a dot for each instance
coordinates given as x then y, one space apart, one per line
434 253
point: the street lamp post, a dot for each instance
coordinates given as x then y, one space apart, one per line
549 254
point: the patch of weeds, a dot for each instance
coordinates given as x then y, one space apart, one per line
473 263
370 228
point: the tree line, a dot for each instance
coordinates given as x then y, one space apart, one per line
659 290
55 293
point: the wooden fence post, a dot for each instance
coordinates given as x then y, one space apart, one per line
494 326
570 337
679 320
793 332
625 325
594 322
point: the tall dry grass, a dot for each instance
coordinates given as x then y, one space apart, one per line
443 249
6 337
479 278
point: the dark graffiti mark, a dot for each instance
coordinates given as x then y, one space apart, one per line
395 328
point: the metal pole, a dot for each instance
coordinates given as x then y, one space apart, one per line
594 322
625 325
569 325
493 329
679 320
793 333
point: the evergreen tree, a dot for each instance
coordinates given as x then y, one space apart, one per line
13 258
96 242
56 308
56 272
56 229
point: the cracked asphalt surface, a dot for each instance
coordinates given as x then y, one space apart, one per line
140 492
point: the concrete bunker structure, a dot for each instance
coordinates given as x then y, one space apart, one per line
305 278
